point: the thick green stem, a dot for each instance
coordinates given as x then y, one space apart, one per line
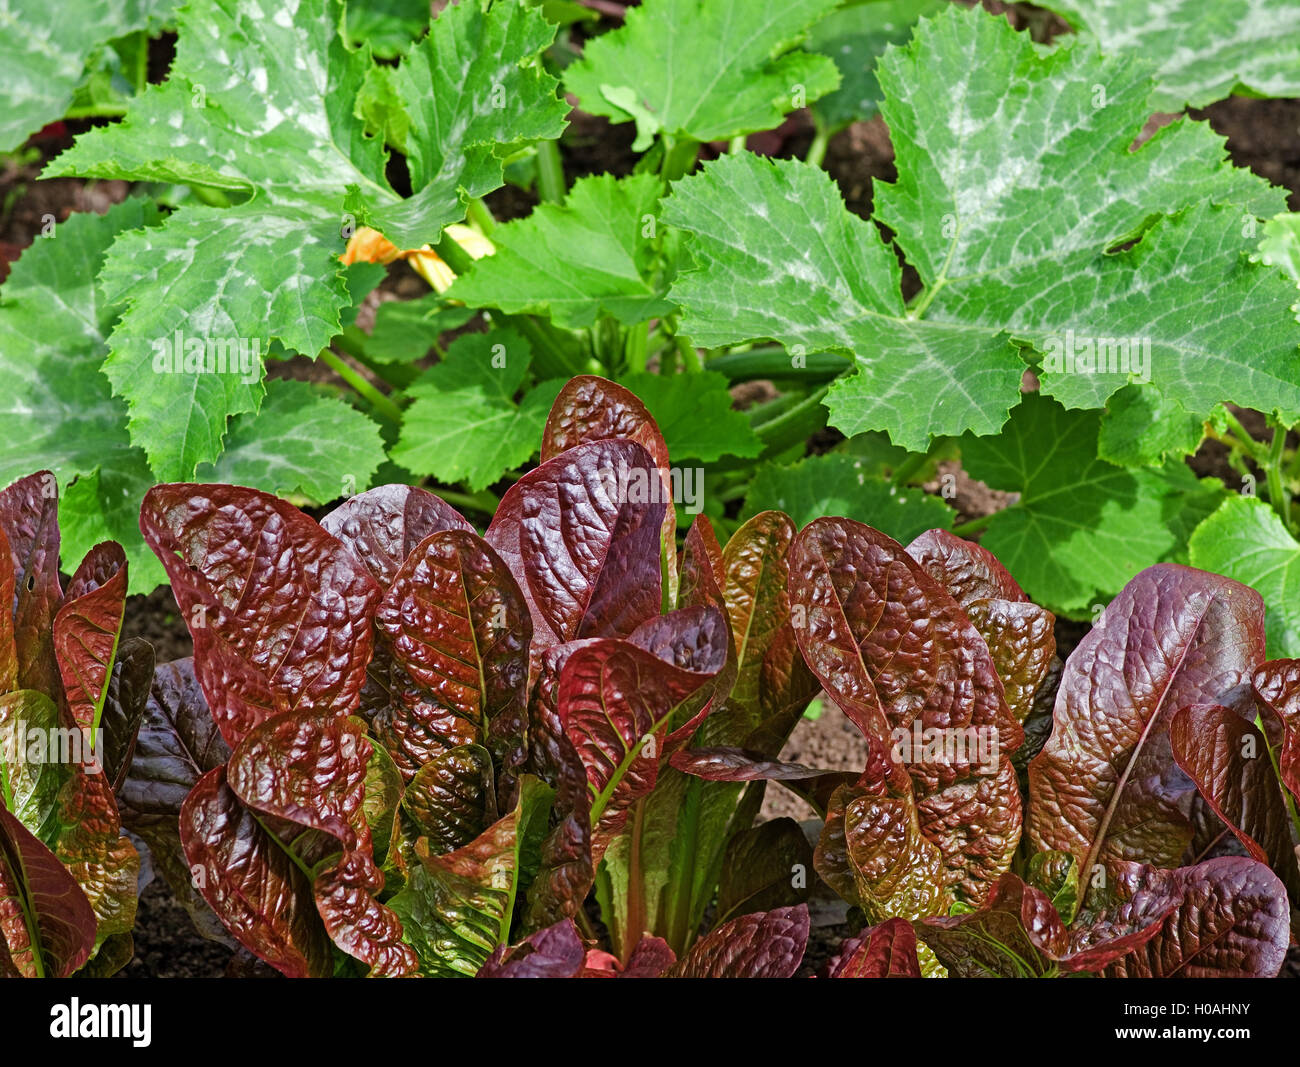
549 358
817 150
212 197
690 357
347 343
451 253
551 186
141 62
480 216
907 470
775 363
1278 496
382 404
916 461
635 348
96 111
1244 442
679 158
965 529
482 501
792 426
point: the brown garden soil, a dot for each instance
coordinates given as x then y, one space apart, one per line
1263 135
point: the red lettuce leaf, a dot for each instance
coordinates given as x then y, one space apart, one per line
754 589
124 708
457 625
1224 918
279 610
554 952
589 409
93 849
1018 933
650 959
1020 635
616 700
383 526
582 539
35 887
458 908
900 658
700 569
451 799
86 629
884 951
1226 755
249 879
311 771
8 595
967 571
178 743
29 520
566 869
764 867
722 764
1105 786
766 944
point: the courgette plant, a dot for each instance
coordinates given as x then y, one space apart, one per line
1035 226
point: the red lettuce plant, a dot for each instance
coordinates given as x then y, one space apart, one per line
431 752
70 700
431 742
1130 802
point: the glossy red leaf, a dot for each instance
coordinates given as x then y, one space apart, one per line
1224 918
279 610
383 526
650 959
900 658
581 537
249 879
765 944
177 744
451 799
125 701
311 771
884 951
700 572
34 883
93 849
1020 635
755 591
554 952
613 699
29 511
1105 786
566 870
724 764
1017 933
86 629
456 623
1226 755
967 571
8 595
590 408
